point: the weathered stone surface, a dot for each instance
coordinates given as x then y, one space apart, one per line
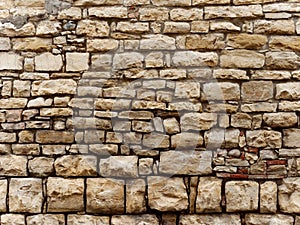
282 60
48 62
99 190
268 197
119 166
72 13
186 140
187 90
128 60
233 74
259 107
26 195
186 162
263 139
46 219
270 75
290 138
241 196
209 195
52 87
10 61
246 41
3 195
97 2
241 120
167 194
154 14
198 121
32 44
87 219
102 45
212 219
8 219
93 28
25 149
65 195
280 119
290 91
257 90
205 41
285 43
221 91
213 12
191 58
259 219
46 27
77 61
242 59
135 196
53 137
176 27
41 166
274 26
108 12
12 165
180 14
147 219
224 26
157 42
288 195
173 3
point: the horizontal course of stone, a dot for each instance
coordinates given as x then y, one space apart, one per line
154 112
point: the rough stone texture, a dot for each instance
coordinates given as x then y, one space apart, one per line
167 194
87 219
255 219
46 219
268 197
146 219
233 219
48 62
242 59
135 196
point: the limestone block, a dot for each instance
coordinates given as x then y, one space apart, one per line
264 139
46 219
135 196
13 165
198 121
10 61
290 138
213 12
274 26
87 219
221 91
180 14
48 62
191 58
101 45
268 197
246 41
47 27
282 60
54 137
52 87
41 166
157 42
205 41
213 219
288 91
242 59
92 28
257 90
77 61
259 219
147 219
108 12
16 219
283 119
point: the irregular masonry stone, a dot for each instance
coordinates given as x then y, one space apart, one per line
289 91
119 166
21 88
180 14
257 90
264 139
26 195
173 74
25 149
241 120
147 219
46 28
54 137
5 44
259 107
154 14
97 2
187 90
280 119
87 219
270 75
41 166
261 219
198 121
32 44
72 13
13 165
108 12
77 61
92 28
48 62
221 91
191 58
3 195
56 112
205 41
7 137
242 59
171 126
167 194
274 26
138 27
209 195
46 219
135 196
223 26
234 74
186 162
136 2
128 60
268 197
76 165
290 138
278 7
173 3
246 41
65 195
213 12
52 87
288 195
10 61
210 219
8 219
10 30
186 140
99 190
176 27
241 196
200 26
34 76
285 43
157 42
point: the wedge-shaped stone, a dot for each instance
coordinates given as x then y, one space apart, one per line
288 91
242 59
135 219
167 194
191 58
246 41
210 219
186 162
274 26
99 190
93 28
205 41
288 195
26 195
87 219
52 137
264 139
65 195
157 42
10 61
198 121
241 196
52 87
280 119
251 11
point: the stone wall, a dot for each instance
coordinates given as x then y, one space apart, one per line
172 112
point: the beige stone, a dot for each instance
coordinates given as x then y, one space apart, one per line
257 90
209 195
5 44
9 30
135 196
212 2
176 27
41 166
290 138
167 194
259 107
171 126
285 43
223 26
186 140
221 91
13 165
274 26
198 121
54 137
210 219
97 2
241 196
77 61
212 12
173 3
72 13
200 26
3 191
48 62
157 42
108 12
233 74
26 195
65 195
288 195
263 139
21 88
205 41
262 219
51 87
186 162
180 14
191 58
242 59
10 61
280 119
147 219
32 44
284 6
129 27
154 14
268 197
16 219
25 149
99 190
187 90
46 219
241 120
92 28
246 41
289 91
270 75
128 60
87 219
